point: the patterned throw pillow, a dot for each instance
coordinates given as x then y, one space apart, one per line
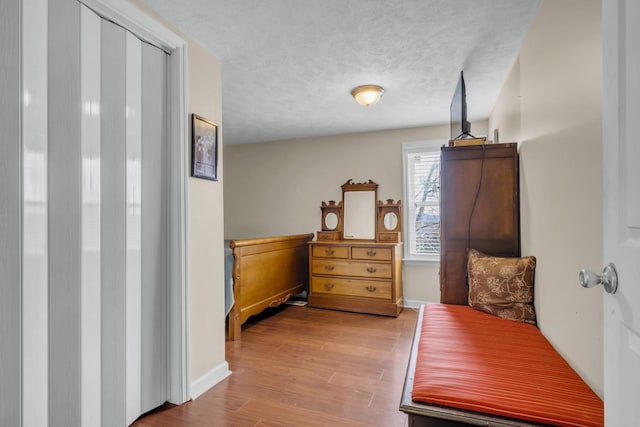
502 286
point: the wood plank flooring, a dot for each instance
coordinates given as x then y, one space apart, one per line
301 366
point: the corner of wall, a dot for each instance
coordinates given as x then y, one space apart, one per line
209 380
505 117
551 104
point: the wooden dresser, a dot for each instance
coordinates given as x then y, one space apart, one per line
479 208
364 277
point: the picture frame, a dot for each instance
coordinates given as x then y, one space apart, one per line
204 148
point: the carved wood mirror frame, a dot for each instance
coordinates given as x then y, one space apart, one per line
389 231
359 216
370 211
328 232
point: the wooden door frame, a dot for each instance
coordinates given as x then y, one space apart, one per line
133 19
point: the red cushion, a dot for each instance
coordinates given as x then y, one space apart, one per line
476 361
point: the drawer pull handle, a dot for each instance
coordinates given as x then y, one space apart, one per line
329 251
371 288
329 267
328 286
371 252
371 269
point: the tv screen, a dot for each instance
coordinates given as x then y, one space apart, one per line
460 127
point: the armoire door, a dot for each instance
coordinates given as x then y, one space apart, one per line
479 209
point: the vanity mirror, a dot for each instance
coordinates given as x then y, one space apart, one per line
359 216
359 210
390 221
331 221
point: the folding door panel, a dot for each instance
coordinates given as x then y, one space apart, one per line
10 213
114 226
64 213
154 213
90 298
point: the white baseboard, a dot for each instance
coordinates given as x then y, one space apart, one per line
415 303
209 379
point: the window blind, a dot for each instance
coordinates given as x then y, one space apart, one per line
423 197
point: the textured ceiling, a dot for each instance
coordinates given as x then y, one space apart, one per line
288 66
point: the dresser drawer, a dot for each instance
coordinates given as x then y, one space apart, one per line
376 270
379 254
351 287
321 251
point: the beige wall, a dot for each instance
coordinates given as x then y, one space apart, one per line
205 226
551 102
276 188
506 113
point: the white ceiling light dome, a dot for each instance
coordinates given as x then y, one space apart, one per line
367 94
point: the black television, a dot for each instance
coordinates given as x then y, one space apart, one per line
460 127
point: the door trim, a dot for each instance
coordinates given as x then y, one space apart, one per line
136 21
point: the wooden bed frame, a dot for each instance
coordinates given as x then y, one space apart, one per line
429 415
266 273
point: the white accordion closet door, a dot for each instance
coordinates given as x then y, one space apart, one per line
84 188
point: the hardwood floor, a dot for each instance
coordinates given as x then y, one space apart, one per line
301 366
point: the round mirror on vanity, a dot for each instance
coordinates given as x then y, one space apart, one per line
331 221
390 221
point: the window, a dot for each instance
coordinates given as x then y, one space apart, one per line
421 169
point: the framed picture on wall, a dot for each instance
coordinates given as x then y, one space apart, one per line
204 148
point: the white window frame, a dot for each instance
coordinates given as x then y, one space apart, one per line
409 148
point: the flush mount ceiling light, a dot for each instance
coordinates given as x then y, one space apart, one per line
367 95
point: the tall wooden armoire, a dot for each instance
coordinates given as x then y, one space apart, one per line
479 208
